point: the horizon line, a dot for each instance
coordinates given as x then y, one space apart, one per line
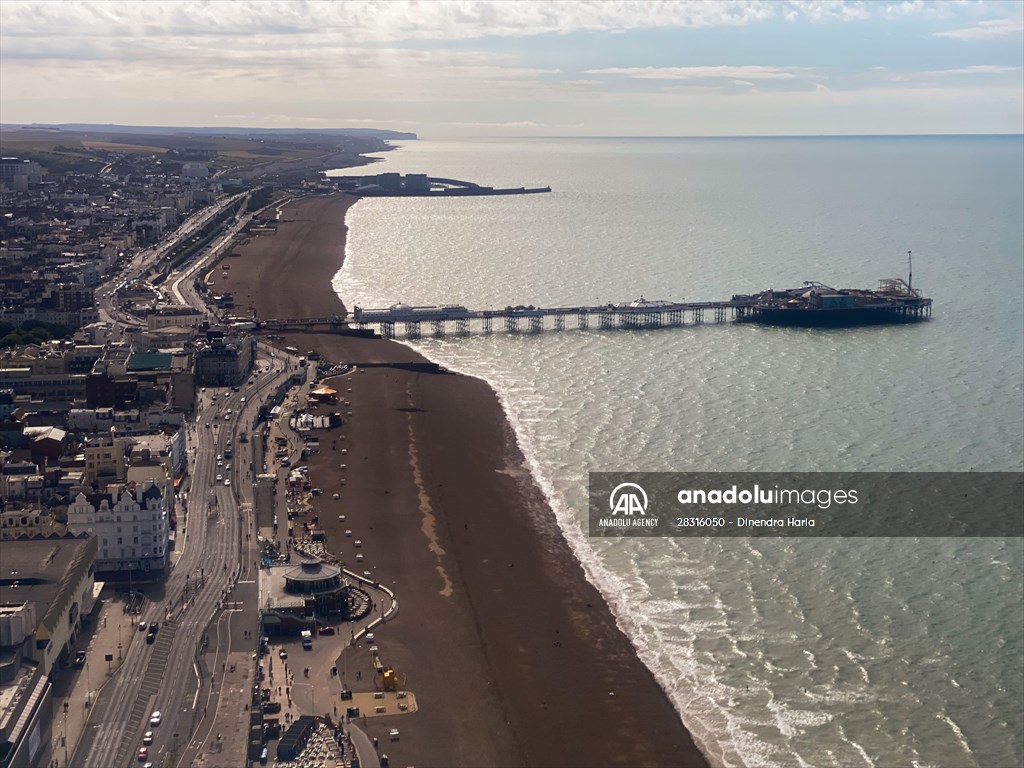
30 126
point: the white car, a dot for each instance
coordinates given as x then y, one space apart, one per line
227 481
154 719
219 478
147 738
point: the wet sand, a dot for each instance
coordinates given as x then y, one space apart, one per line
514 657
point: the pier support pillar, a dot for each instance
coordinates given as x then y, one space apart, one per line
536 324
412 329
605 320
387 330
462 326
488 325
559 322
583 320
719 314
512 324
438 328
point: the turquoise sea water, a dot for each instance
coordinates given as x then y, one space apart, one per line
816 652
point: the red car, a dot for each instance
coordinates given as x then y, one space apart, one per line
143 754
326 630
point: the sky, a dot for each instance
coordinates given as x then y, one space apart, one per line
520 67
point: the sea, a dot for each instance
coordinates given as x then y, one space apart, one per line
880 651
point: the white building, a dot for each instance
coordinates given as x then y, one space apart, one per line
131 524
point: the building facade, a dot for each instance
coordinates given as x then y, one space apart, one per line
131 525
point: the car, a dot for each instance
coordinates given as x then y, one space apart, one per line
143 626
357 543
227 481
143 754
348 534
154 627
155 718
336 496
151 638
227 467
393 734
207 425
283 653
369 637
147 737
359 557
326 630
285 463
219 478
80 659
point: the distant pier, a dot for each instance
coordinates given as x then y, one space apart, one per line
421 185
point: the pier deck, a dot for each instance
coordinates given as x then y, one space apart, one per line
460 321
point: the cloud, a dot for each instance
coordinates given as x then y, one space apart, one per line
820 11
987 30
373 21
974 69
697 73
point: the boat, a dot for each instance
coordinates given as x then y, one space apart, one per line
816 305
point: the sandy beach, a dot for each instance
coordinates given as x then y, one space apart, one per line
515 659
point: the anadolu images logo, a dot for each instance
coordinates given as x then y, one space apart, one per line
628 502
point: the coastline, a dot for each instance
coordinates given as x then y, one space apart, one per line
514 656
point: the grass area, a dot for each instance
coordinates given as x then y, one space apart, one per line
115 146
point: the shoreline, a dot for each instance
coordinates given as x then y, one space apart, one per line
497 609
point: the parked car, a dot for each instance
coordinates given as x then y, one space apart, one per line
326 630
143 626
80 659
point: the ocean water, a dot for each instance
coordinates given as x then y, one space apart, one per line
776 652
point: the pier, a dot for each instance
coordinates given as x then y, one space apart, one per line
456 320
816 306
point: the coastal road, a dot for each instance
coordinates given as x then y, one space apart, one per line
213 554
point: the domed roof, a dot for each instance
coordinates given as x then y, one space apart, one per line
312 570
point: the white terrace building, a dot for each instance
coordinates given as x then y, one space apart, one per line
131 524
